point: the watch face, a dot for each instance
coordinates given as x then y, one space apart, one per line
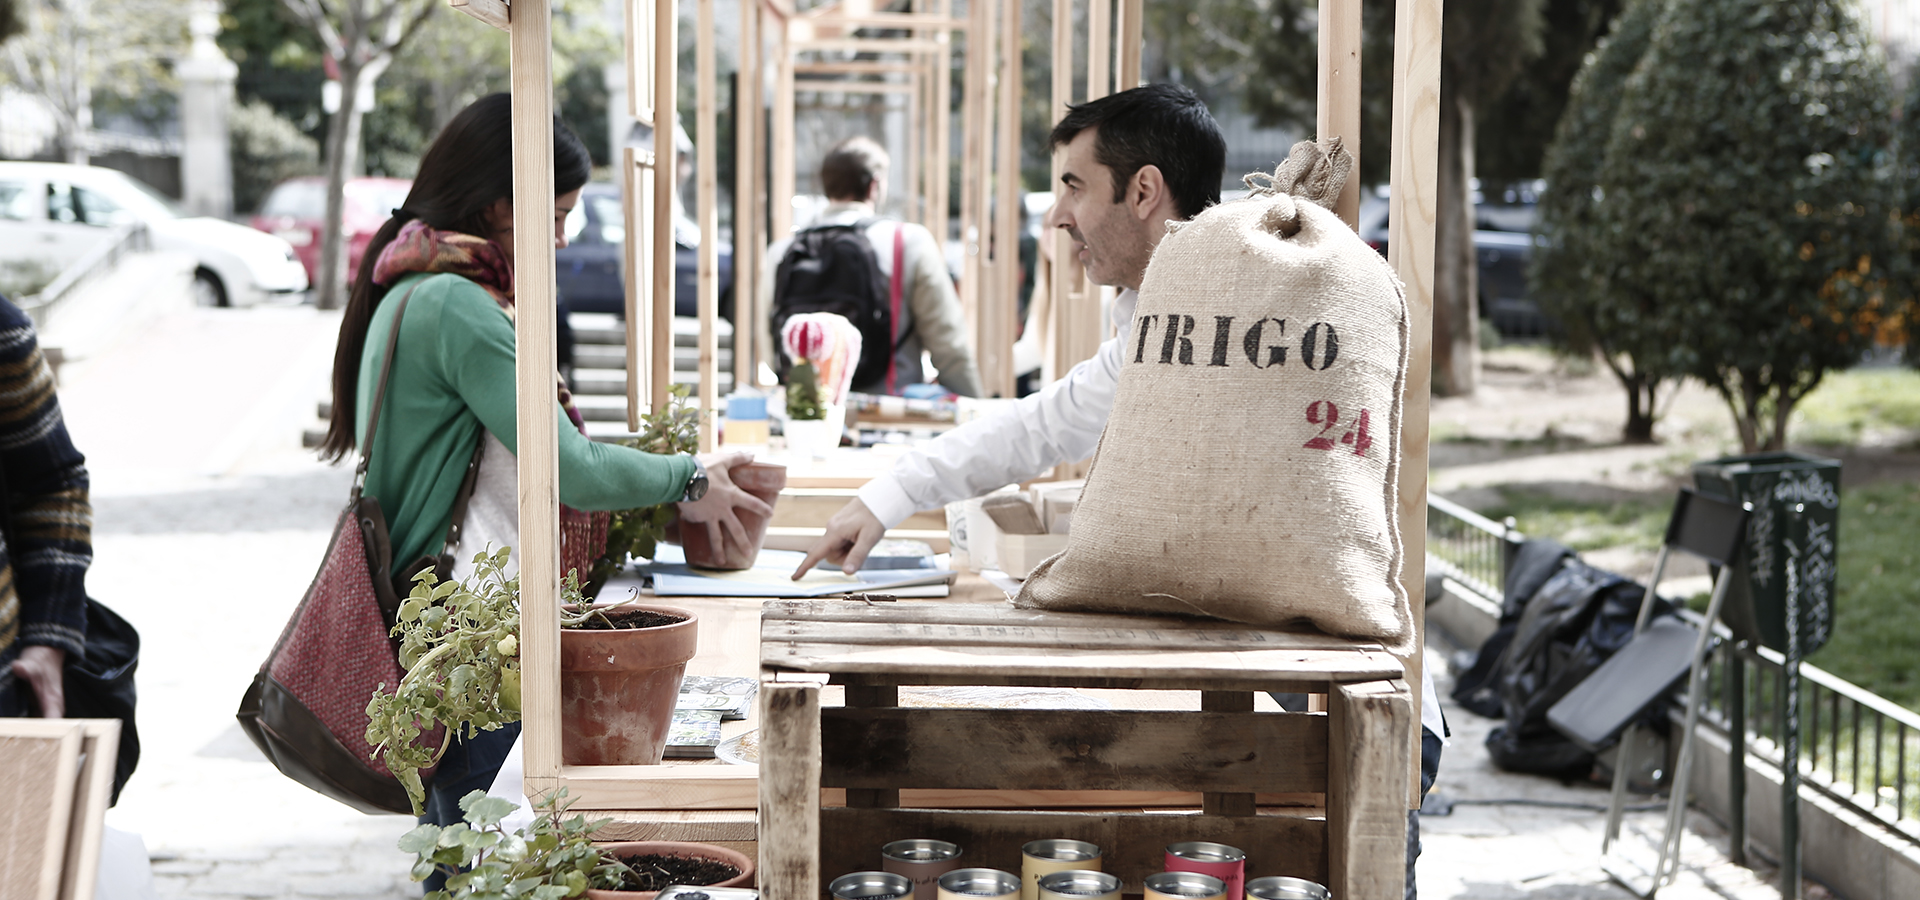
697 487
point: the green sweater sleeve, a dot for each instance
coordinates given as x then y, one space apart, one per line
474 348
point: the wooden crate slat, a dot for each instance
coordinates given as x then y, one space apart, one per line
661 787
1237 670
730 827
1134 844
1089 750
991 626
39 764
1368 727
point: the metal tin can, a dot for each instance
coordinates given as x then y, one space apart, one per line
1079 884
1275 887
1226 863
1185 886
688 892
870 886
978 884
921 860
1039 858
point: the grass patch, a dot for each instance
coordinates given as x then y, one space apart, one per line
1585 525
1849 405
1876 634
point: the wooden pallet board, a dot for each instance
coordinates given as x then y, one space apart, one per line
39 765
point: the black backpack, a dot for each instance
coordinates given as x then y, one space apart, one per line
833 269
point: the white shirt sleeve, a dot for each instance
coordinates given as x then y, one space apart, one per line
1060 424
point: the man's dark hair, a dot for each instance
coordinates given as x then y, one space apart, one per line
849 169
1161 125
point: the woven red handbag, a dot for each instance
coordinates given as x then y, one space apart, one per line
307 708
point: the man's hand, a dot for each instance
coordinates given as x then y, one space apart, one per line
851 534
42 667
715 511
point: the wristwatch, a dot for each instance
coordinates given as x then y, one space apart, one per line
697 485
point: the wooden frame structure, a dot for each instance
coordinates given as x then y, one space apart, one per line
717 803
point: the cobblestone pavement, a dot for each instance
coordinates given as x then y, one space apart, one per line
210 520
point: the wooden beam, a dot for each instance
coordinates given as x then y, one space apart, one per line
1001 304
1411 212
536 428
878 19
492 12
789 790
865 45
1099 49
747 339
810 86
783 177
976 111
858 67
1366 827
1126 65
707 195
1338 110
941 154
99 751
666 181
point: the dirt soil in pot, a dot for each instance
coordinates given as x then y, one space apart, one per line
629 618
656 872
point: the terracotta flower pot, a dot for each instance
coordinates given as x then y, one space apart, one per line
733 858
763 480
618 688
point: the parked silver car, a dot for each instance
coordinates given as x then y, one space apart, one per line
51 214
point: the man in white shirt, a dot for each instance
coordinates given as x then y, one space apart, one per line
1134 161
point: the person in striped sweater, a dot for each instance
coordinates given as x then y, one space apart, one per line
47 543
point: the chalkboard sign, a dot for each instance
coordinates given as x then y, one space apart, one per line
1792 535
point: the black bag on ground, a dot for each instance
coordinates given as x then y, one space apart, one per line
100 686
833 269
1476 689
1572 624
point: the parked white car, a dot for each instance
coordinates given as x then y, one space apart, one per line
53 213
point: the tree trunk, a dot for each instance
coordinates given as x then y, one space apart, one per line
1456 349
1643 394
343 152
78 123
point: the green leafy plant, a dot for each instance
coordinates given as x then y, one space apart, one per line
460 646
803 393
637 532
551 858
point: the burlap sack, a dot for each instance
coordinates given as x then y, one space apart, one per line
1249 468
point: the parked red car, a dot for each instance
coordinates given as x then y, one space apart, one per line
294 210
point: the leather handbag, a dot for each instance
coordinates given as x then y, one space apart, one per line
307 708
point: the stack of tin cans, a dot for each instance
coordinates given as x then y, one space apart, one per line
1061 869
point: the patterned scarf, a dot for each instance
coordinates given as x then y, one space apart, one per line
420 247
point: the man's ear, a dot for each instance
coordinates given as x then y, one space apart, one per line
1146 190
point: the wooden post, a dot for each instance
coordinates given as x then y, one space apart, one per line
1099 49
783 172
707 143
1414 169
1366 824
746 246
942 153
1000 304
536 427
666 181
1339 93
1127 57
636 187
975 168
789 790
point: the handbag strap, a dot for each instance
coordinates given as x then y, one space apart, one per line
462 497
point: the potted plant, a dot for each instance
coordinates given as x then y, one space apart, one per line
638 532
460 646
825 349
554 857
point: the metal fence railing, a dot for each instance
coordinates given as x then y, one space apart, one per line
1470 547
1857 748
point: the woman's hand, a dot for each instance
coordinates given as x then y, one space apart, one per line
715 511
44 669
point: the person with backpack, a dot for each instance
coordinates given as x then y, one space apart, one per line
886 277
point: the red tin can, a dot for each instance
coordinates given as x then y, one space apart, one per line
1226 863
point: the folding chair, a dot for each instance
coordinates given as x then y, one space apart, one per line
1613 697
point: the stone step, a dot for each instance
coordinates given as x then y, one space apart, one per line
614 356
600 329
613 382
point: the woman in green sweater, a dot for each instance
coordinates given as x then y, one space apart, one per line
449 252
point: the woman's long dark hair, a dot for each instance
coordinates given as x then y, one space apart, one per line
469 166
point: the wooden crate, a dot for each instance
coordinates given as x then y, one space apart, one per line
1354 757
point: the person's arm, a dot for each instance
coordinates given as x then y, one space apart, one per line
474 348
937 317
1061 423
50 520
